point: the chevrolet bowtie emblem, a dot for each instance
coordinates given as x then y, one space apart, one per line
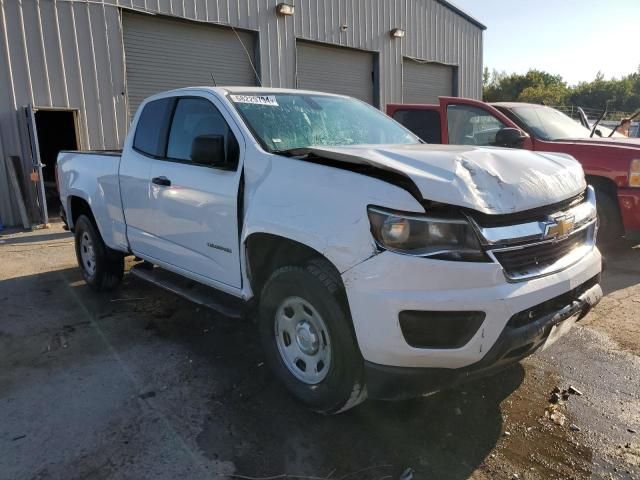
559 227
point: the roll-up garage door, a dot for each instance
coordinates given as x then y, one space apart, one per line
335 70
163 54
425 82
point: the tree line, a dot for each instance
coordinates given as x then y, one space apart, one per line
541 87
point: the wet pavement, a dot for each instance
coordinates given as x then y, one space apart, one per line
140 384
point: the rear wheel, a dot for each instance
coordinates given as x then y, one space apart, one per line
308 339
610 224
102 268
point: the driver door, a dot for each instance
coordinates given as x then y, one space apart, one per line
471 122
194 206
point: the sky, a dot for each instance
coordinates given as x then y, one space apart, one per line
572 38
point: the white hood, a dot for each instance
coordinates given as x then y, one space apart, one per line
487 179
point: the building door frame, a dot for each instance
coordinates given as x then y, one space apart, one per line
36 174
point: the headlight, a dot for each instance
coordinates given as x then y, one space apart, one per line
425 236
634 173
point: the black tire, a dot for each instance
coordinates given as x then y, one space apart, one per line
318 284
610 224
108 268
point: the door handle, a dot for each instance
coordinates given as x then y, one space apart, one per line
162 181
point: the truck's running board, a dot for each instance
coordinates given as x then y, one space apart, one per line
227 305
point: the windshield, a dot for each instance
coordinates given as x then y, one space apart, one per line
285 121
550 124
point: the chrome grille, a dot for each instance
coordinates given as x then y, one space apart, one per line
544 245
534 258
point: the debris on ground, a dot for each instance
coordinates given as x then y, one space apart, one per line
555 398
574 391
558 418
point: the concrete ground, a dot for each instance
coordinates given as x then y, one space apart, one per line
141 384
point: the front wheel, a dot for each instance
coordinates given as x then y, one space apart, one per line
308 339
102 268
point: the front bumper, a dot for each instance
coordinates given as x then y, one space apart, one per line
515 343
387 284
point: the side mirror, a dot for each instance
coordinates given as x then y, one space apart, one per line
510 137
208 150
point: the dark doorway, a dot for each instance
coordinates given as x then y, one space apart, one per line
56 131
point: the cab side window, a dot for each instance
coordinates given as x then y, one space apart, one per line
469 125
197 120
153 124
424 123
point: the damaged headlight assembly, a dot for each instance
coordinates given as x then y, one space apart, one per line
425 235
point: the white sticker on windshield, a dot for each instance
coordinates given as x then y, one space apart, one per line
268 100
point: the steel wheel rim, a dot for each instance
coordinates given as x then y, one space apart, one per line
87 254
303 340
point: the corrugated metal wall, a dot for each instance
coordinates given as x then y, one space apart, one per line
69 53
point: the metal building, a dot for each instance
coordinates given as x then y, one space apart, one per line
72 72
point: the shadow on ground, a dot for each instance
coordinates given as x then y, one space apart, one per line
250 419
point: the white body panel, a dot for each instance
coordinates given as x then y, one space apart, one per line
195 220
94 178
135 187
325 208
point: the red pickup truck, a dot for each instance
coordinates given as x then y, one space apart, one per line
612 165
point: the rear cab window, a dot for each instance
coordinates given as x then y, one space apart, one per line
151 131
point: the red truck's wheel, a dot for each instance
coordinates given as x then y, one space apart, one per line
308 339
101 267
610 226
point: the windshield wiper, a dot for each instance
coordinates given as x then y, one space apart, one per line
602 115
620 124
293 152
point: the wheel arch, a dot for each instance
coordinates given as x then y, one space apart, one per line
264 252
79 206
603 183
608 186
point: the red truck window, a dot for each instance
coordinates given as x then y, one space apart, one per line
469 125
424 123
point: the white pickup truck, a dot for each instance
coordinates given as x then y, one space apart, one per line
378 265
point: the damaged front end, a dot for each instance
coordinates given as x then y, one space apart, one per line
542 241
527 245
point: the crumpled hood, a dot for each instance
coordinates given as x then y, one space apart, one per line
490 180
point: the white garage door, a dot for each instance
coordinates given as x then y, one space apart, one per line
335 70
162 54
425 82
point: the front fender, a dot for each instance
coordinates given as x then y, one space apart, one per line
322 207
